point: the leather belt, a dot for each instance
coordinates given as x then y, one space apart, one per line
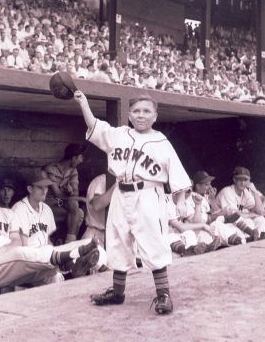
126 187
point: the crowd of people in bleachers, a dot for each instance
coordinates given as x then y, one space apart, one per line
38 38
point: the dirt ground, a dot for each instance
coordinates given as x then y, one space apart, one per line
217 296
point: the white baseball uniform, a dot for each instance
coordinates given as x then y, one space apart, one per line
185 213
22 264
137 220
229 201
188 238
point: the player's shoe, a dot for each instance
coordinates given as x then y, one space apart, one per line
262 236
200 248
108 297
89 256
215 244
178 247
234 240
163 304
253 235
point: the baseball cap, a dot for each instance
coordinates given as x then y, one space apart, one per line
7 183
38 177
202 177
241 172
73 150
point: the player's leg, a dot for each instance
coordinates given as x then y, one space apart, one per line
247 226
19 264
75 217
150 232
259 223
121 253
77 256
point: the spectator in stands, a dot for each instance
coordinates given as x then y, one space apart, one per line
65 187
14 60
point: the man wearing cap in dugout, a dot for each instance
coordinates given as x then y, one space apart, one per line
62 193
7 192
242 201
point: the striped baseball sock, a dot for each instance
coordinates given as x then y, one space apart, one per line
119 282
60 258
243 226
161 281
178 247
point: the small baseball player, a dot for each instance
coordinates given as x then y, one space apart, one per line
142 160
243 202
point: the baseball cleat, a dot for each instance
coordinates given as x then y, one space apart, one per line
89 256
108 297
234 240
214 245
200 248
163 304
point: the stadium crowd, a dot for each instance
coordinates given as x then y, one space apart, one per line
36 37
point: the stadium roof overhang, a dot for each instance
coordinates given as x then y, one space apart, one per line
28 92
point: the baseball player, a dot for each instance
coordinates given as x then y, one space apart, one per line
226 234
142 160
182 236
23 264
97 199
34 221
243 202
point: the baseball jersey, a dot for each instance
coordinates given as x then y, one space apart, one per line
133 156
63 178
36 225
229 200
8 224
96 218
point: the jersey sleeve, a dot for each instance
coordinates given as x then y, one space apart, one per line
53 173
177 176
102 135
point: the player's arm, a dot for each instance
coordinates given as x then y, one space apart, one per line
258 208
197 217
100 202
89 117
183 226
15 239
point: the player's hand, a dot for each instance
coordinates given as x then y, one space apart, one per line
212 193
197 198
80 97
252 187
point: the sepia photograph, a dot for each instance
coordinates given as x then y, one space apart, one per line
132 182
